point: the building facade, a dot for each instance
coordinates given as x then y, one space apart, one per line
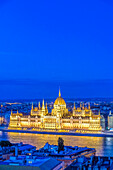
102 122
110 121
59 118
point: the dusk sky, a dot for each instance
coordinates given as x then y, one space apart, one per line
56 41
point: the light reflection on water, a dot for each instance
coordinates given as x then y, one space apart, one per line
103 145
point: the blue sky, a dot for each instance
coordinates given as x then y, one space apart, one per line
55 41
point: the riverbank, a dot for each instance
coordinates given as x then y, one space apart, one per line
59 133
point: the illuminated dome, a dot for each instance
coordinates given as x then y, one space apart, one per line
59 100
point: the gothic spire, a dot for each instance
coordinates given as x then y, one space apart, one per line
43 104
39 105
59 93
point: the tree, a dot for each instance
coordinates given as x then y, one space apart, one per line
5 143
60 144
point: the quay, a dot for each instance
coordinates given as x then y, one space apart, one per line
58 133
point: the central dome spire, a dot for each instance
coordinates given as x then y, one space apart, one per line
59 93
59 100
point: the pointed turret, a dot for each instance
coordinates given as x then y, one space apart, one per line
39 105
89 106
32 105
74 106
80 105
99 113
59 93
83 106
11 112
43 104
17 112
46 105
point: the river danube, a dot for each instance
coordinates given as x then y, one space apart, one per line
103 145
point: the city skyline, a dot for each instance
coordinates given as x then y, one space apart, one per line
56 84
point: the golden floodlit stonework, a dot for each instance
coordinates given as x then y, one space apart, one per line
81 118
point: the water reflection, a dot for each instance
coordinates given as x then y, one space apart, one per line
104 146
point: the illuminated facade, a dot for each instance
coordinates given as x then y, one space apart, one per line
110 121
59 118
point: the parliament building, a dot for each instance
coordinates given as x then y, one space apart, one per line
80 118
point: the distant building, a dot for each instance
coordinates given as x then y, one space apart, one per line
31 163
68 155
102 122
7 150
110 121
60 118
22 156
92 163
